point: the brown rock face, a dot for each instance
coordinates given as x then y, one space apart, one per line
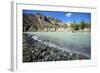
36 22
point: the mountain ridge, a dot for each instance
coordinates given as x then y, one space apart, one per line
39 21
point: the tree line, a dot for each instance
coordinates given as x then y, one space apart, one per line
80 26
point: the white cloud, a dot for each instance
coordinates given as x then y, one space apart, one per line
68 14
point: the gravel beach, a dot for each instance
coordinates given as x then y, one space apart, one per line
34 51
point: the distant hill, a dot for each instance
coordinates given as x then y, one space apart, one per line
39 22
34 22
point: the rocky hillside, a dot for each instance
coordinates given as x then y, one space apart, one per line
36 22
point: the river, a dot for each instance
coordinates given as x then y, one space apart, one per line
78 42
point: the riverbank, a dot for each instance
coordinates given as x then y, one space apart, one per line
62 30
34 51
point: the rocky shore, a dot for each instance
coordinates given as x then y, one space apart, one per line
34 51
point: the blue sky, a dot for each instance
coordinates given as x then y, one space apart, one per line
63 16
